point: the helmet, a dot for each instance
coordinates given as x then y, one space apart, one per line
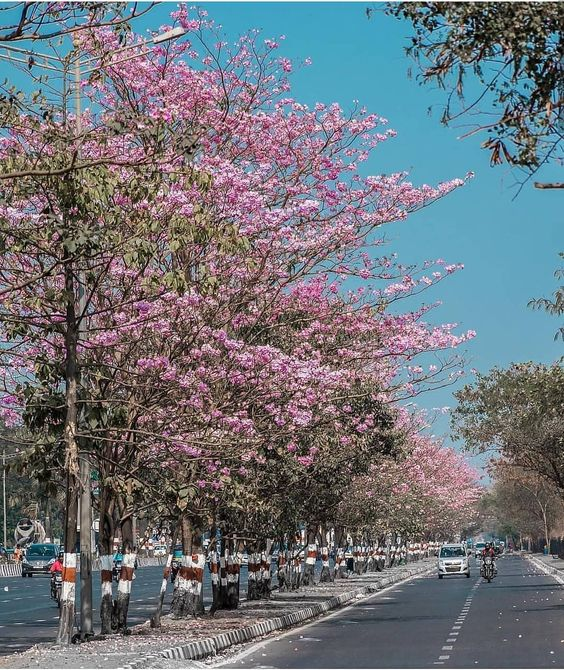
488 545
61 554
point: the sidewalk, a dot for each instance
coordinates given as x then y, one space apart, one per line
552 566
191 639
557 563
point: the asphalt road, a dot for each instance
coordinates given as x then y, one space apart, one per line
28 615
517 621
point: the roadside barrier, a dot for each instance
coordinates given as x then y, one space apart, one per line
12 569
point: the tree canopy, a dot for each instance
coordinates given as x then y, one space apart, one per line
501 66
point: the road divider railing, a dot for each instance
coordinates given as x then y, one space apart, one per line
10 569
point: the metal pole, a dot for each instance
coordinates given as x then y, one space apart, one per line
86 625
4 496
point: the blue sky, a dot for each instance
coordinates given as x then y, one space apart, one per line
509 246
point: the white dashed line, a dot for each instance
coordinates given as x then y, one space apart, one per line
444 658
447 647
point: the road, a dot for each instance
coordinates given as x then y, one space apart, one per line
28 615
517 621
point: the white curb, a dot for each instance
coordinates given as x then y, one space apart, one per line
555 572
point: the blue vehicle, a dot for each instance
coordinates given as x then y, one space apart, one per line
176 562
118 559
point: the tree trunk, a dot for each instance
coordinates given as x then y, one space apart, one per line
266 576
126 575
308 578
233 574
546 531
253 567
295 568
326 575
216 587
105 543
188 598
156 618
66 618
282 568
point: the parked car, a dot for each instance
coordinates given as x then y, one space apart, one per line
453 560
38 559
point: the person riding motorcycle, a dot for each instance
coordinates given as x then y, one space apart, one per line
56 568
488 550
58 564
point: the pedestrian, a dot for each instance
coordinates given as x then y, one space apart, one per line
17 553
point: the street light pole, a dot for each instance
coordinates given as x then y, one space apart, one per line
4 496
86 623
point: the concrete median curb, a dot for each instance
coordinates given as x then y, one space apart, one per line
210 646
548 569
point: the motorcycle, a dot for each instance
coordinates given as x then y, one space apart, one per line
488 568
56 587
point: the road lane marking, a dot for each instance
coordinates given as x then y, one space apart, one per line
447 647
456 627
451 639
445 657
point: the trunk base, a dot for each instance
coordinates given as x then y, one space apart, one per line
308 575
185 604
122 607
66 623
106 611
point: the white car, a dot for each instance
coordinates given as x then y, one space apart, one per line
453 560
160 550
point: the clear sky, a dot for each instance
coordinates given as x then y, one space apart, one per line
509 246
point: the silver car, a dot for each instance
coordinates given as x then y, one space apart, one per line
453 560
38 559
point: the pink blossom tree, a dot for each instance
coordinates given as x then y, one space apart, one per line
225 238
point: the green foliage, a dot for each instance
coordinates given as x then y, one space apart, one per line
518 413
554 306
513 50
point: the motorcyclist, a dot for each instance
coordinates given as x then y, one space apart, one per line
57 565
488 550
56 568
